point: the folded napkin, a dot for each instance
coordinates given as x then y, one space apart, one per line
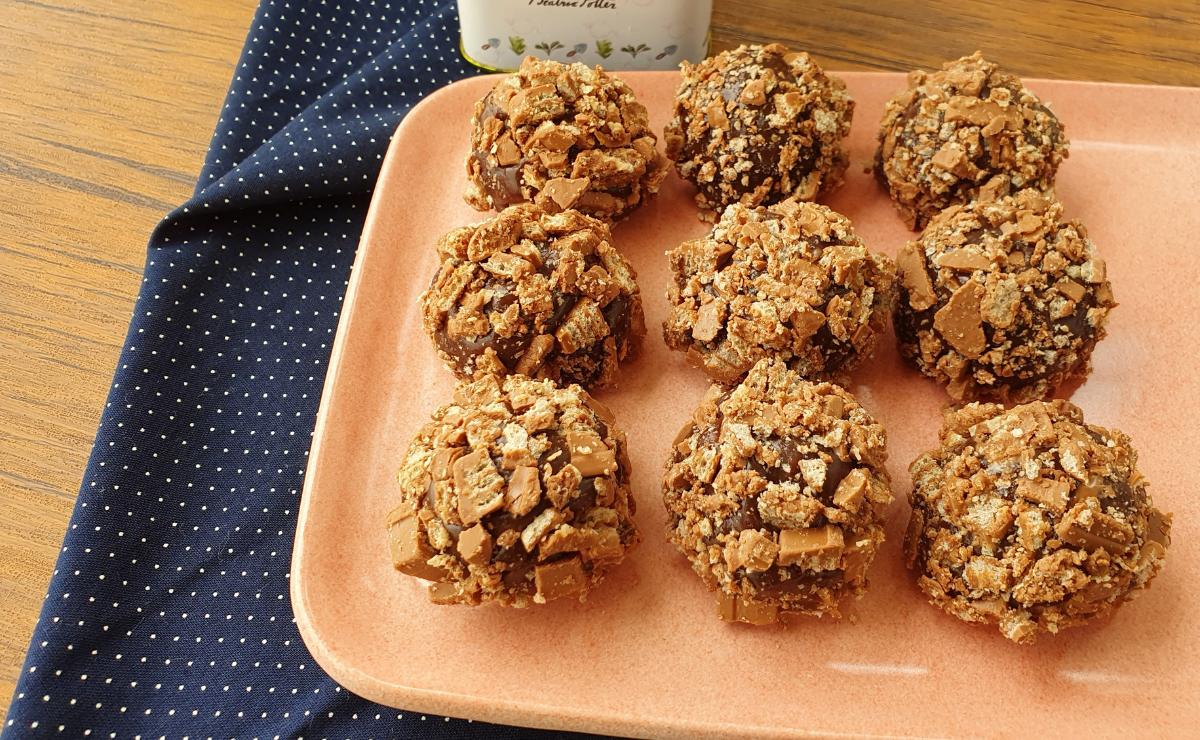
168 612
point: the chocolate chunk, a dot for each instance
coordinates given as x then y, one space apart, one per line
529 137
440 468
1023 320
964 259
942 144
565 191
1074 551
817 543
483 511
910 264
478 485
777 512
562 578
1071 289
545 286
590 456
960 322
475 545
411 553
852 489
524 490
756 125
1051 494
709 320
795 282
1088 527
732 608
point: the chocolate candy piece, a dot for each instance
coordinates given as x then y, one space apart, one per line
1001 298
534 293
792 281
562 136
1030 520
756 125
967 130
777 494
536 504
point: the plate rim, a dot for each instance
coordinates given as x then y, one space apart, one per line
505 711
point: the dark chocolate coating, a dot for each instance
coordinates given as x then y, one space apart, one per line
777 134
564 136
617 314
1036 349
506 453
545 295
795 258
797 583
767 142
501 183
1005 137
1026 372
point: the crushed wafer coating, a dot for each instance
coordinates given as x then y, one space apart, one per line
968 127
791 281
1031 519
1001 298
756 125
516 492
563 136
534 293
776 492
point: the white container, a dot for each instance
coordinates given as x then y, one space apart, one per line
616 34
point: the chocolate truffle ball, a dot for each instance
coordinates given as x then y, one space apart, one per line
517 491
1002 298
1031 519
756 125
967 127
563 136
792 281
533 293
776 491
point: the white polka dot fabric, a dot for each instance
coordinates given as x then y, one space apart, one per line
168 613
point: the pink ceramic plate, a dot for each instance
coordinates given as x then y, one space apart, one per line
645 655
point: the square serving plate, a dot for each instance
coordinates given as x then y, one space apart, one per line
645 655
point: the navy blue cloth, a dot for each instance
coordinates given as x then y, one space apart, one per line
168 613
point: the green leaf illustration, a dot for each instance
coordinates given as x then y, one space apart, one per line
604 49
549 48
633 52
517 44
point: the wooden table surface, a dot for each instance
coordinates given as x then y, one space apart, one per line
106 108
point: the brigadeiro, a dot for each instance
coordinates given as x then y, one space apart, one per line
534 293
756 125
776 492
1031 519
1002 298
517 492
792 281
562 136
967 127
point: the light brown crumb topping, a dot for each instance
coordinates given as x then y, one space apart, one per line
756 125
534 293
1002 298
563 136
776 491
516 492
955 131
792 281
1032 520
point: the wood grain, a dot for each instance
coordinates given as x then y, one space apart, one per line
1153 41
106 109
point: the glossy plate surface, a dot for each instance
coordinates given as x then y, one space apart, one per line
645 655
